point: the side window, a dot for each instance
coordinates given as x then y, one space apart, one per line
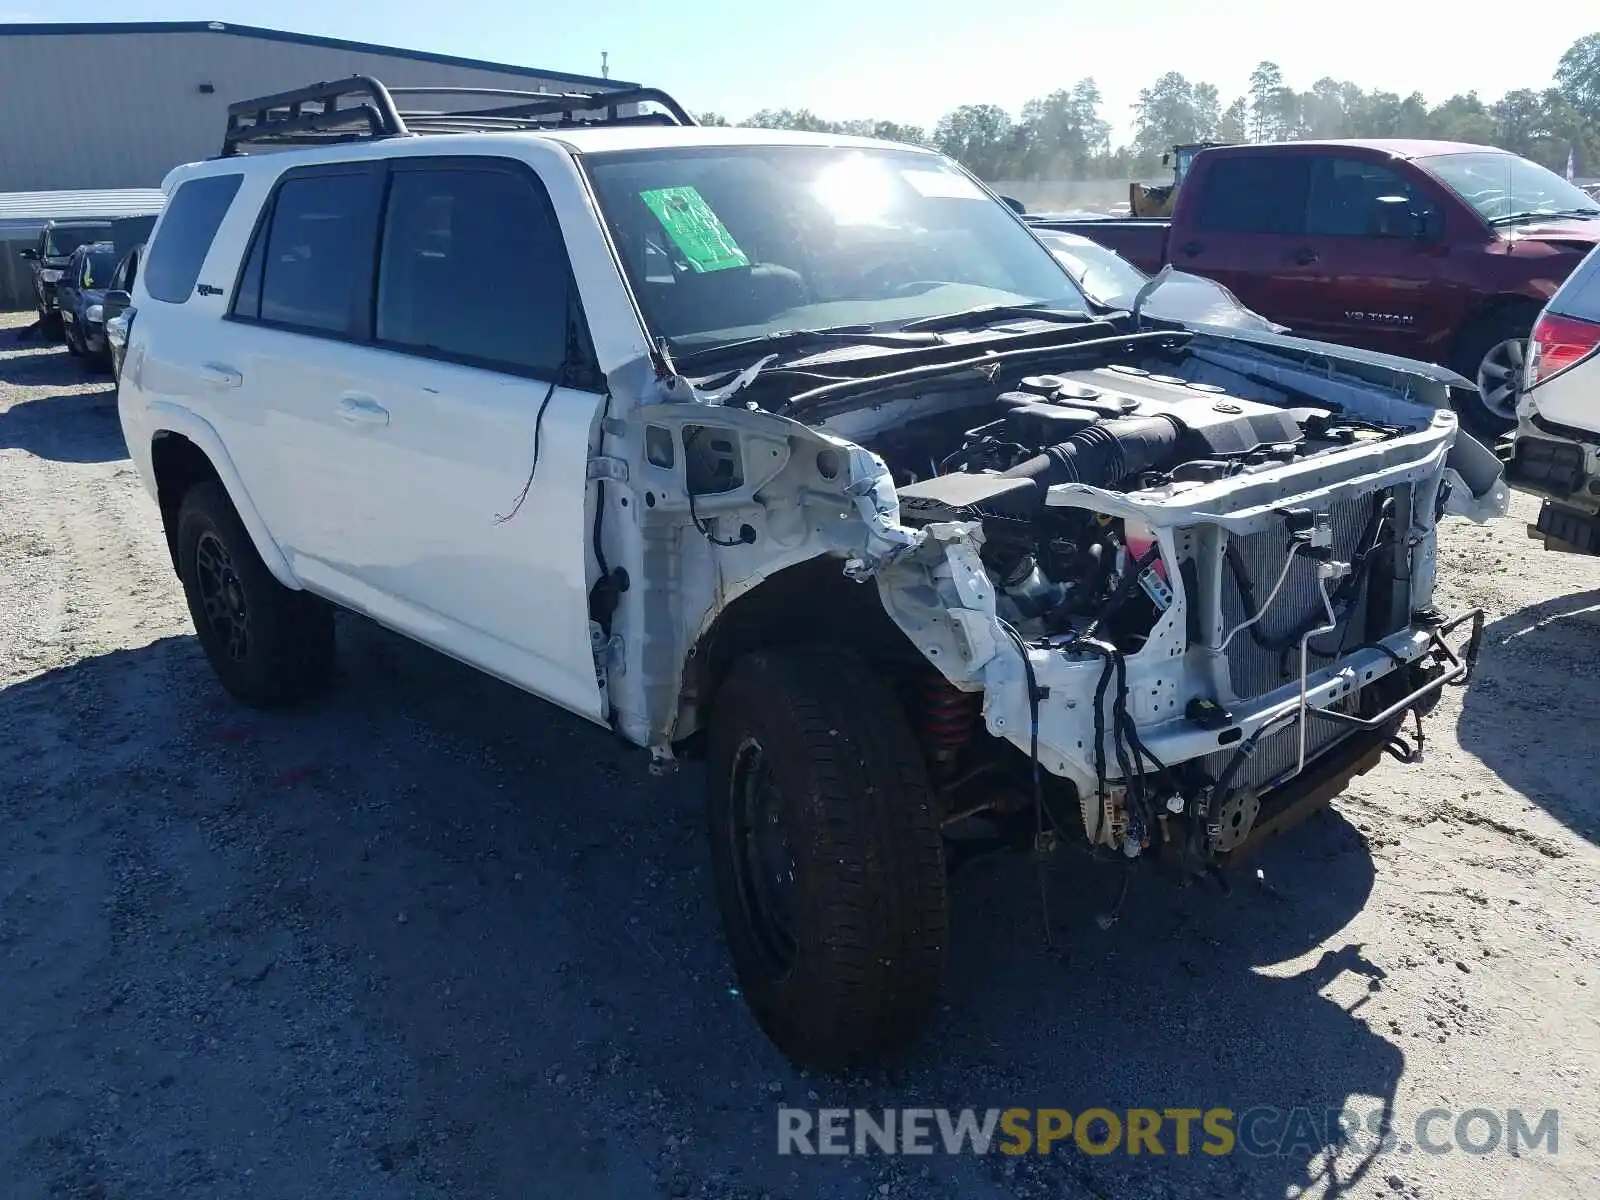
473 268
1254 194
192 218
1349 197
310 265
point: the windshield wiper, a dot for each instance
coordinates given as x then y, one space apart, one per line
1513 218
794 339
1043 310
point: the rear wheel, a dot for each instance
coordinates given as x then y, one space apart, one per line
828 856
268 644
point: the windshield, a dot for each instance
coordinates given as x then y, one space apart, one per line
58 243
726 243
1103 274
1503 185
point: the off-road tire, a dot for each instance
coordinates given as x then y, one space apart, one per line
288 653
869 900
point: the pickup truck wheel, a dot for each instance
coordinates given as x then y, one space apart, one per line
1491 353
268 644
828 857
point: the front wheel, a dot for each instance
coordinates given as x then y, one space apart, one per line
828 856
1492 353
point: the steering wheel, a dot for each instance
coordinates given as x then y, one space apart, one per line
888 278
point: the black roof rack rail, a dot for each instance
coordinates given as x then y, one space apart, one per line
566 105
282 117
313 115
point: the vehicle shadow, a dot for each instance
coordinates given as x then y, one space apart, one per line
497 931
1525 714
77 427
35 360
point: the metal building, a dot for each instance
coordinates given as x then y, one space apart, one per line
119 105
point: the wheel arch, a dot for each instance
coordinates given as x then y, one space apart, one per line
185 450
1488 309
809 603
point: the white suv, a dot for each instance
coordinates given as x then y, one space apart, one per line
808 445
1556 448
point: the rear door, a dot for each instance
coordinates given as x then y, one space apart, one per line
1242 220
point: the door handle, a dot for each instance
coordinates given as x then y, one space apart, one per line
1191 248
1305 256
356 409
218 375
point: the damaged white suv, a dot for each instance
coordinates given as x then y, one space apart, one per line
805 452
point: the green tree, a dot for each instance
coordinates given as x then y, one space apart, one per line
979 136
1322 109
1463 119
1266 102
1521 118
711 118
1234 124
1169 112
1060 135
1578 77
790 118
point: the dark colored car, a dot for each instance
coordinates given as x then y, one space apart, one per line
80 299
1439 251
117 306
57 241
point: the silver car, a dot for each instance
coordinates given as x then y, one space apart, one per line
1555 451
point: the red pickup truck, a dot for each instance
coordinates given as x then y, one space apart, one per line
1440 251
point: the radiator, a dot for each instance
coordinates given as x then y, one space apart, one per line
1254 670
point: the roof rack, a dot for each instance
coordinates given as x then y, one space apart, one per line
314 115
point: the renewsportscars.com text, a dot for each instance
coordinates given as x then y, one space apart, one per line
1259 1132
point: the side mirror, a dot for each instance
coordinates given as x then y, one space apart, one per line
1398 217
1427 225
30 254
115 301
1015 205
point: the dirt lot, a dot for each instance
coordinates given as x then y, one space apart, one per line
432 938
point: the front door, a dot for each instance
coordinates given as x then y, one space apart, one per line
1367 271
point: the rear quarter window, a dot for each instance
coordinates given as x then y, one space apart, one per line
1263 193
184 239
1580 294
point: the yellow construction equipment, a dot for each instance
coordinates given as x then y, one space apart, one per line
1146 200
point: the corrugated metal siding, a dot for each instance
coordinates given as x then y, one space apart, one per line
119 110
38 207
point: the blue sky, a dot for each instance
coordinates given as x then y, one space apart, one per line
911 60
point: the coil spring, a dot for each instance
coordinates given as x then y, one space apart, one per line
948 716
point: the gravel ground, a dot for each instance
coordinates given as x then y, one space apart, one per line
429 937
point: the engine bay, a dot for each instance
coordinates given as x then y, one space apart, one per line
1123 428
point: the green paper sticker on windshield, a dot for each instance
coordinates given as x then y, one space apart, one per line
695 229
